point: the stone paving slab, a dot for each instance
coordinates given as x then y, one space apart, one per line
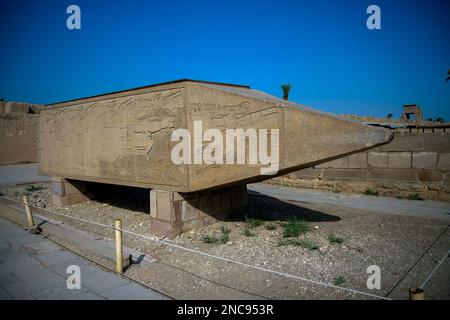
32 267
31 272
126 292
100 281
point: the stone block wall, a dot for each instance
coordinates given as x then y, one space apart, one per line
416 162
18 133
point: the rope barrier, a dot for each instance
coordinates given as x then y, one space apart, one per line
434 270
214 256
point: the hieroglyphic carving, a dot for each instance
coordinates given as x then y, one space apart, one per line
125 139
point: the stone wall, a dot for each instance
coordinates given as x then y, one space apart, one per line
417 161
18 133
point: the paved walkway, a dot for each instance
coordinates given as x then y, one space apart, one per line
21 173
429 209
32 267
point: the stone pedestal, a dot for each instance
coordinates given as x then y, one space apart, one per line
173 213
68 192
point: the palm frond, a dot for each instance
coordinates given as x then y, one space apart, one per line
286 89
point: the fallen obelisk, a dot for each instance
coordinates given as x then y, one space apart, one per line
195 144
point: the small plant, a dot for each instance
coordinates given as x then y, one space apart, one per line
416 196
209 239
33 188
371 192
334 239
294 227
248 233
270 226
307 244
253 223
225 230
221 239
339 281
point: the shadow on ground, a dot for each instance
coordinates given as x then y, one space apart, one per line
260 206
130 198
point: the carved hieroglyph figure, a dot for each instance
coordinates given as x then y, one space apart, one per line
125 137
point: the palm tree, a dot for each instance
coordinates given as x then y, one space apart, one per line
2 99
389 116
286 89
439 119
448 74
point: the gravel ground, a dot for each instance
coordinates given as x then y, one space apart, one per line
392 242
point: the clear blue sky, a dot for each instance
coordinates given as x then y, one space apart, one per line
322 48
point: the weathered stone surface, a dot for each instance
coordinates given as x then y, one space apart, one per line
322 165
400 160
424 160
170 215
393 174
164 205
407 142
377 159
125 137
358 160
444 161
191 224
351 174
68 192
341 163
18 138
153 207
447 179
165 228
189 210
14 107
306 174
437 142
430 176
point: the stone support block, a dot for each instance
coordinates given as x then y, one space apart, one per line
172 213
68 192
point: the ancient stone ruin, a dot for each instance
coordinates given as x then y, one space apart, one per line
127 138
18 130
412 112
